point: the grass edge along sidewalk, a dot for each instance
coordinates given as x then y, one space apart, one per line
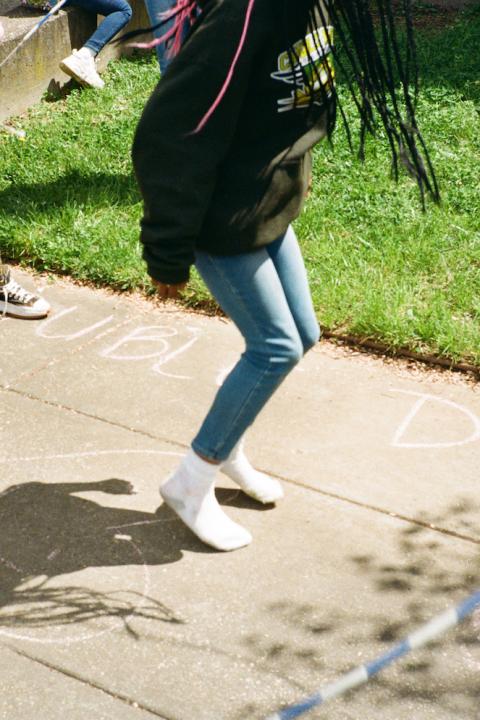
381 271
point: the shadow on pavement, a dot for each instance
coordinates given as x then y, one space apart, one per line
402 587
47 531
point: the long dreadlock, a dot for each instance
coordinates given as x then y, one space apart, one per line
381 79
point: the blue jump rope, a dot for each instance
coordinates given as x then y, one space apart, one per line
363 673
34 29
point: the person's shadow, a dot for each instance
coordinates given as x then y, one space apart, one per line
47 531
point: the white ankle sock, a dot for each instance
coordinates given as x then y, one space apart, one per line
259 486
86 52
190 491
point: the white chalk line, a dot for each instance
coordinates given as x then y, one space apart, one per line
223 374
89 453
146 573
172 356
62 358
139 334
40 331
85 636
423 399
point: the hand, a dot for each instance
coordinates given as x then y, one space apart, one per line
114 486
168 291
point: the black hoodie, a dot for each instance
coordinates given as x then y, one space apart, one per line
238 183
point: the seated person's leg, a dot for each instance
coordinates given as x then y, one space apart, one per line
81 63
155 8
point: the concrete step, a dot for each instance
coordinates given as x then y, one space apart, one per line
34 69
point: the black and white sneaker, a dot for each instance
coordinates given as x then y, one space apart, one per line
18 302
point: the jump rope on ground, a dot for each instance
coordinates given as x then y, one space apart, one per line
362 674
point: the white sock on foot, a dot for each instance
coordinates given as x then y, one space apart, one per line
86 52
259 486
190 491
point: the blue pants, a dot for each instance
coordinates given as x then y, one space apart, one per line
155 8
266 294
117 14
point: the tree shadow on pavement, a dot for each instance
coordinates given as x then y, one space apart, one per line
398 590
47 531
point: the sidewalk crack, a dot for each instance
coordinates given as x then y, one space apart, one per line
135 704
297 483
64 356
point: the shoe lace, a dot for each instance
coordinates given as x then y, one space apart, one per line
16 292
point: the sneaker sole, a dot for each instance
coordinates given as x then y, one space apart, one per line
71 73
21 314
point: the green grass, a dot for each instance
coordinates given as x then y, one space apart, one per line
379 267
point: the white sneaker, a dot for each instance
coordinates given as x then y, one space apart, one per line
18 302
82 68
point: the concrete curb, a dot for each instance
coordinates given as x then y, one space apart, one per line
379 348
34 70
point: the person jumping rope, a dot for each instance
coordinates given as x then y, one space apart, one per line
222 157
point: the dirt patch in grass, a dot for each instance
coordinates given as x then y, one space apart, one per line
436 14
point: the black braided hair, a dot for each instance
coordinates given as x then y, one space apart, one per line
381 77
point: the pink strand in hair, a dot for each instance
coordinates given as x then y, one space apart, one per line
184 10
231 71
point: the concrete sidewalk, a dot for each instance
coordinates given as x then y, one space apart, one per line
111 609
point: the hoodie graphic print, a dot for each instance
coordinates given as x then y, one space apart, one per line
311 60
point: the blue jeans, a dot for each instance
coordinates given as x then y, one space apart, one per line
117 14
266 294
155 8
